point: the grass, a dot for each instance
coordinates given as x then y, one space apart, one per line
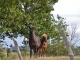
14 56
50 58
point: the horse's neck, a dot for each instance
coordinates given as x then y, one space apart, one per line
42 42
32 35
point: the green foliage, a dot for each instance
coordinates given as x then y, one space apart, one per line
17 15
11 56
25 50
57 46
56 50
77 50
49 50
2 54
8 51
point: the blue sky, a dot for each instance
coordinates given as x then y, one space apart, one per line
19 41
69 9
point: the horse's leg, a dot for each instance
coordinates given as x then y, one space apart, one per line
44 52
39 53
30 53
35 52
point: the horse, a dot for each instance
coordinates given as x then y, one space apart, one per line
34 42
43 45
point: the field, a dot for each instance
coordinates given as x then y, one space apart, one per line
14 56
49 58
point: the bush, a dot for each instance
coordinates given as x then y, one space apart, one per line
2 54
11 55
54 50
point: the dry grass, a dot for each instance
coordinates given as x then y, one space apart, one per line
14 56
49 58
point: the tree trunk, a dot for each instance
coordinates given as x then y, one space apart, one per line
68 46
17 48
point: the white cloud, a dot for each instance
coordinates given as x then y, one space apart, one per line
67 7
78 30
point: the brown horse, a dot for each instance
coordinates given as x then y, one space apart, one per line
34 42
43 46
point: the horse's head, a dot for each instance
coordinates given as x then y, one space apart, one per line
31 29
44 38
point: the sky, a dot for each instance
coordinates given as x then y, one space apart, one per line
69 9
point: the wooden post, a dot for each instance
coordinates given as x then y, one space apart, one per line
17 48
68 46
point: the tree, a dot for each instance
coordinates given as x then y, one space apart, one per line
58 41
68 46
72 35
16 16
62 30
57 45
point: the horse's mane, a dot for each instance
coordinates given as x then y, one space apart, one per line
44 38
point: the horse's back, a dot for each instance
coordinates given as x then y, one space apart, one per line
37 40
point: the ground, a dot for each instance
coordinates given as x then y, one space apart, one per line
50 58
